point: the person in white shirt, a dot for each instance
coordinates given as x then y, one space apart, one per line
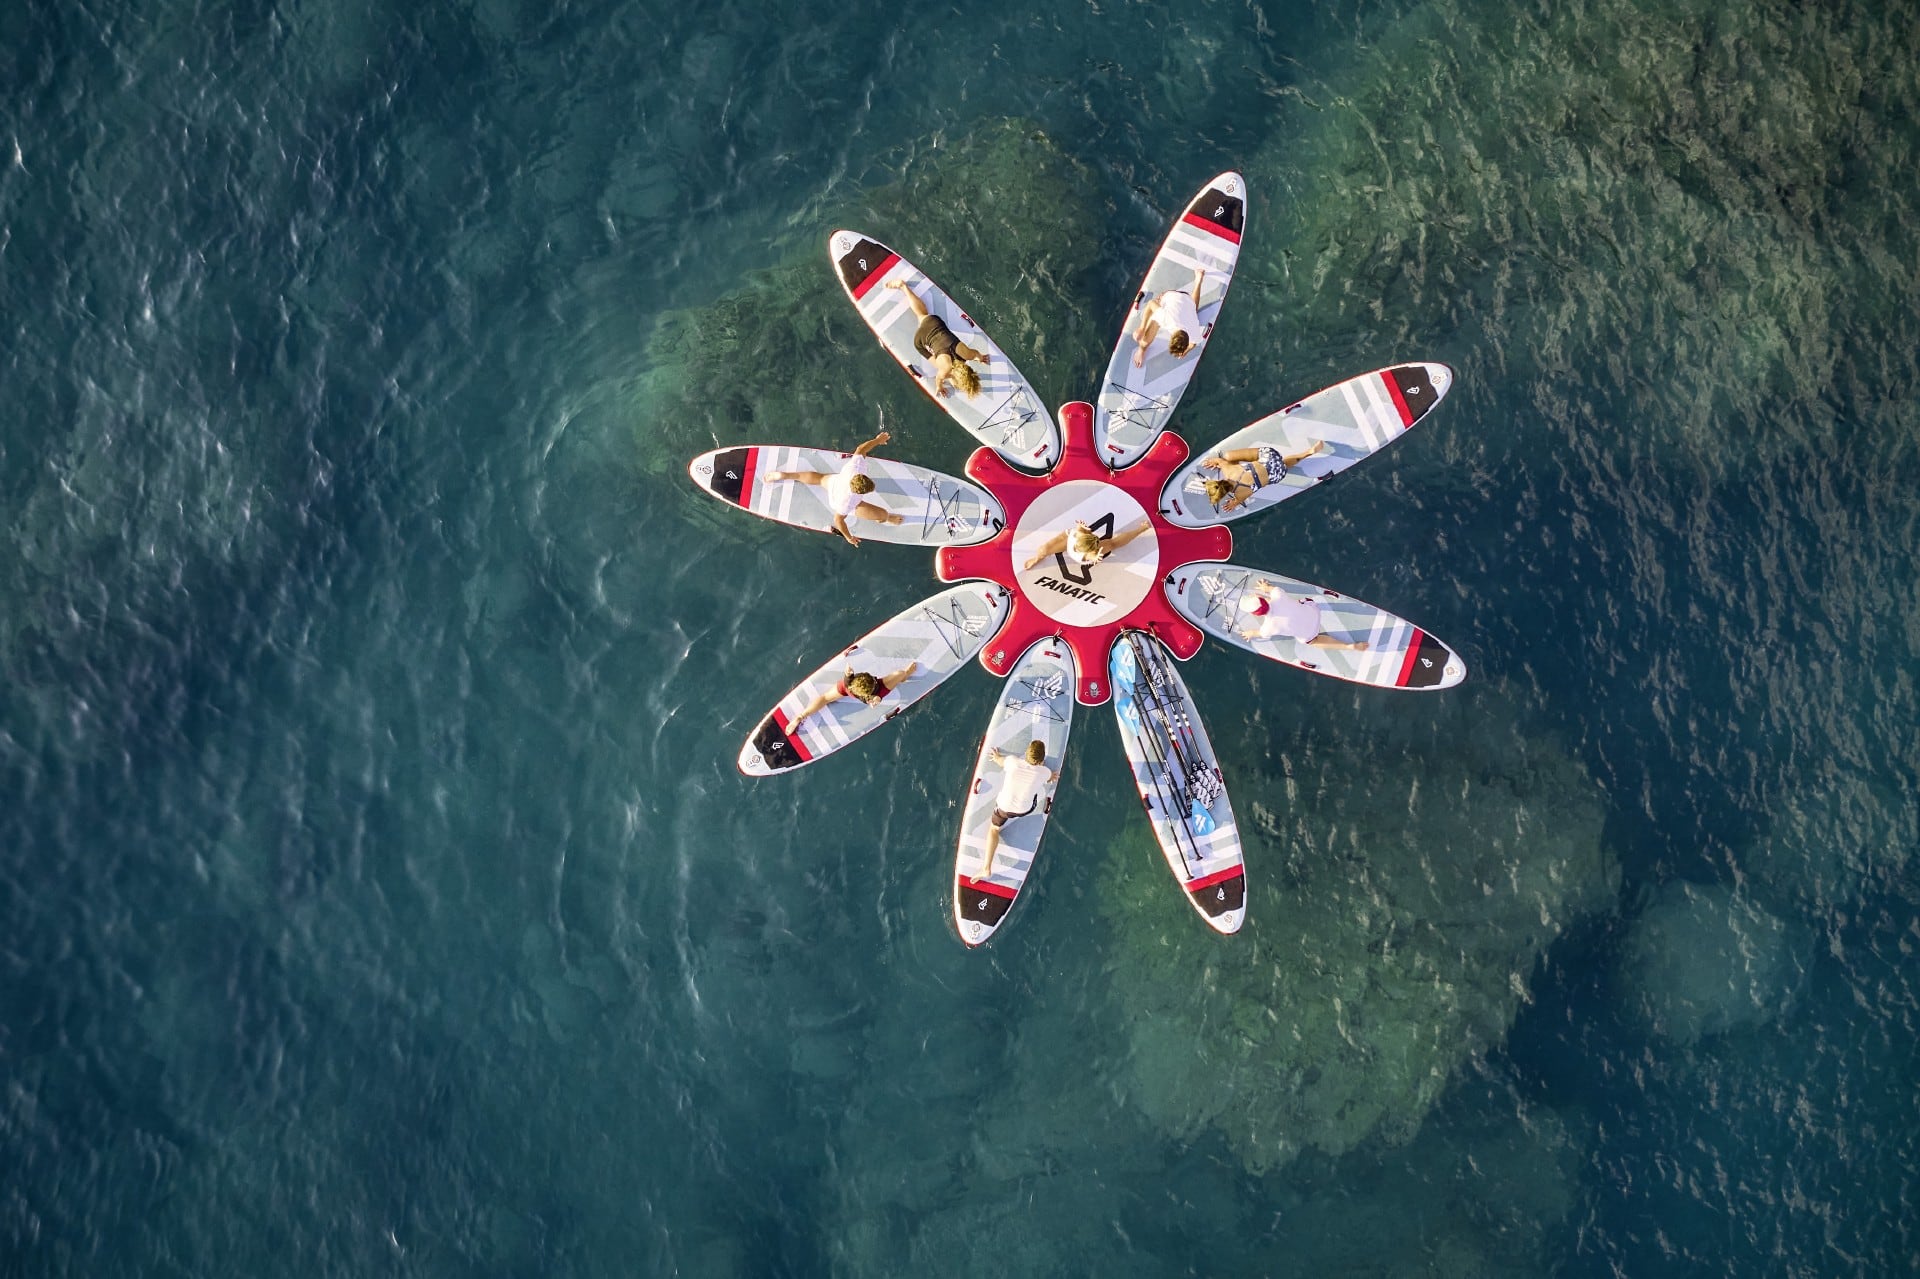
1272 614
1084 546
1176 313
1019 795
847 489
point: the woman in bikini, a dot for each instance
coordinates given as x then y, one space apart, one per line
936 342
1244 472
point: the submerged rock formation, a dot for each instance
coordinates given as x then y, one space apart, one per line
1603 195
1704 959
1000 218
1405 882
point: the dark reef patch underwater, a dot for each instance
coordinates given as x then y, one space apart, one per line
377 893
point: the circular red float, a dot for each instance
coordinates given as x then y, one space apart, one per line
1087 607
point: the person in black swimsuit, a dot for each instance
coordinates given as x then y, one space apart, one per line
935 341
1244 472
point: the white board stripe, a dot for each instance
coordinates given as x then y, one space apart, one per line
1385 423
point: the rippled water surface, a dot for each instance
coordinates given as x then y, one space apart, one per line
377 891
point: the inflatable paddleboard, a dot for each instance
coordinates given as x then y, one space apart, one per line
1398 653
935 509
1036 705
1349 421
1135 404
941 633
1178 777
1006 415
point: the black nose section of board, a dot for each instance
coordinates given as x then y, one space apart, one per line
1415 388
980 907
862 261
1223 210
1217 899
1429 663
730 474
774 746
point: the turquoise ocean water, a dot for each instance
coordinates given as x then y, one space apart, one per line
377 892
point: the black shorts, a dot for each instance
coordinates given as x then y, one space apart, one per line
1001 816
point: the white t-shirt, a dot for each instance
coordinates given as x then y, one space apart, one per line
841 498
1285 615
1176 312
1022 782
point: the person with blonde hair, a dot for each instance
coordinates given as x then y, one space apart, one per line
862 686
1084 546
936 342
846 489
1176 314
1021 780
1244 472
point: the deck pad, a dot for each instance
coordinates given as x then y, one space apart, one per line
1178 777
942 633
935 509
1135 404
1007 415
1035 705
1353 419
1398 653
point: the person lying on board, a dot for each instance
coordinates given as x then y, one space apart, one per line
1019 794
1277 615
1244 472
862 685
936 342
1084 546
846 488
1175 313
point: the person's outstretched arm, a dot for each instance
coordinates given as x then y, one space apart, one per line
861 450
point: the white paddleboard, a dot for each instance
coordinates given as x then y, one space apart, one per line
1006 415
1136 404
935 509
1178 777
1398 653
1350 420
1036 705
941 633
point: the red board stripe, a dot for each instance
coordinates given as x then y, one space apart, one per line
746 482
1406 666
1214 227
1399 400
799 747
861 289
1218 877
971 885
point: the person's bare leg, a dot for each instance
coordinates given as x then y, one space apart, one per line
878 514
1149 329
1052 546
805 477
993 846
1295 459
1328 641
913 299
